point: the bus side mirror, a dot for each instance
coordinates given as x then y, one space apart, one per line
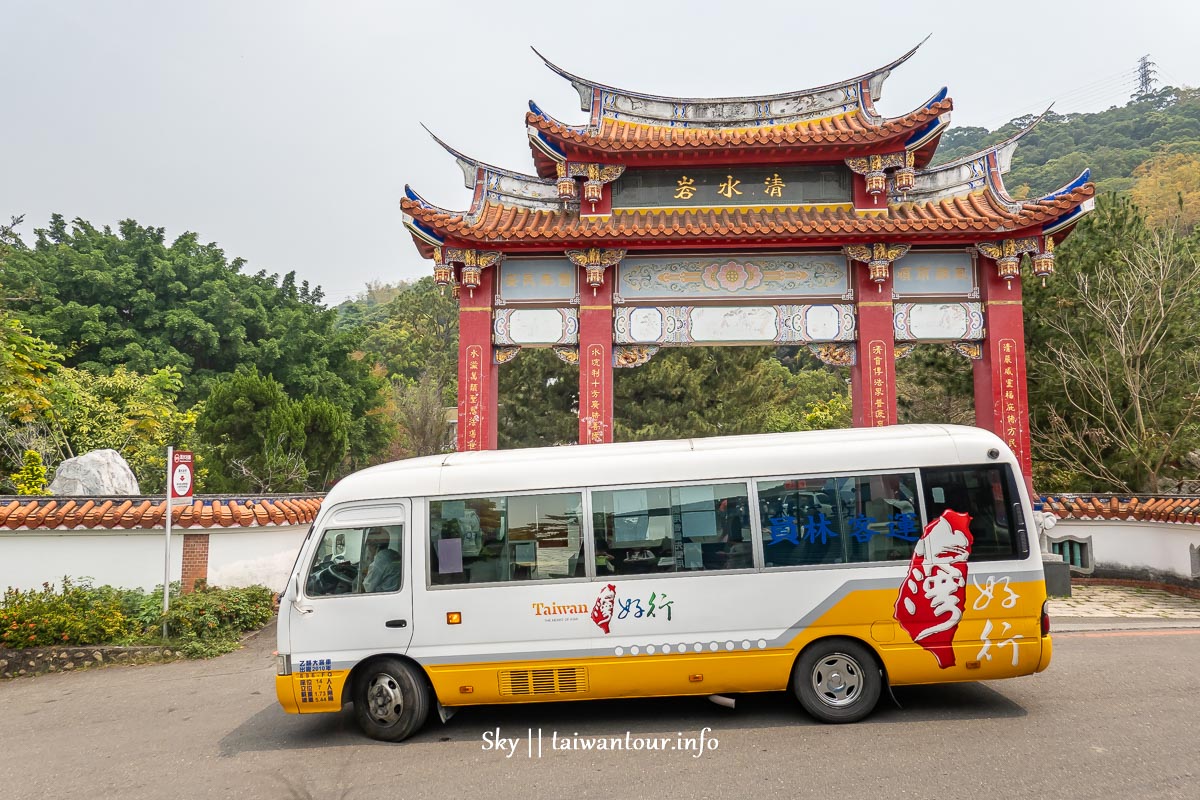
296 597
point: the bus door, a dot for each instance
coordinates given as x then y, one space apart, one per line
355 600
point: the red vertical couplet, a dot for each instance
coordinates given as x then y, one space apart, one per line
477 379
1001 396
596 361
873 377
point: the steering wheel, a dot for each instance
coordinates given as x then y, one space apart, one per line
337 577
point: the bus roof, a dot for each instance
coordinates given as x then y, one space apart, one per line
718 458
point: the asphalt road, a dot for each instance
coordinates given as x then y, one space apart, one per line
1114 716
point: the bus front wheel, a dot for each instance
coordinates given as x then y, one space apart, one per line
391 700
837 680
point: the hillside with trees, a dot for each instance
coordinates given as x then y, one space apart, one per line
122 339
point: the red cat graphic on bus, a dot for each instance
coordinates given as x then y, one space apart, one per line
931 599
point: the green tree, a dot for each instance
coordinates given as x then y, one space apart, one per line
136 415
935 384
420 418
127 298
714 391
26 366
26 362
1114 361
417 335
1112 143
269 442
539 401
31 478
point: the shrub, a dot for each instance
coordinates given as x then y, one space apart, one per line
31 478
205 623
78 614
208 621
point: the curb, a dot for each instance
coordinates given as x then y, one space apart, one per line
1090 624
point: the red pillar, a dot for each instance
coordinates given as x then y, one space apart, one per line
595 360
1001 398
477 378
873 377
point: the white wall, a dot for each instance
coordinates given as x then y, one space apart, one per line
1158 546
247 556
134 558
131 558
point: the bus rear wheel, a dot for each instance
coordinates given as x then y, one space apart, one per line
837 680
391 700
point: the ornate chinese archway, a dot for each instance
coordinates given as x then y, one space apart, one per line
803 218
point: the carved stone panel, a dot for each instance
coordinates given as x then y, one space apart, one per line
684 325
535 326
938 322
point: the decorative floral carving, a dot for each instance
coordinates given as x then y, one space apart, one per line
595 260
568 355
834 354
732 276
503 355
1007 254
876 163
878 257
971 350
632 355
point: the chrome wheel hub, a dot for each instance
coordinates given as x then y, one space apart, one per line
384 700
837 679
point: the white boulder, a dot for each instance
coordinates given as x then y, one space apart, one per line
100 472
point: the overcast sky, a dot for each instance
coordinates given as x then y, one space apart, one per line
285 131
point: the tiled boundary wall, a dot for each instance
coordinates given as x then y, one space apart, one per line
1152 540
230 541
226 541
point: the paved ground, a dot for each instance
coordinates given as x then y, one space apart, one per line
1095 607
1114 716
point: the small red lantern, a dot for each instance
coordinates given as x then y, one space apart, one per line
876 181
1043 262
471 276
567 188
592 190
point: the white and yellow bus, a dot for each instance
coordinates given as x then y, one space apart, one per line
830 564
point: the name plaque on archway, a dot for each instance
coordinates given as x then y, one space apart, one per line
537 280
925 274
737 186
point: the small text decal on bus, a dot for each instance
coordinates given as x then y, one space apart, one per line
608 605
558 612
931 599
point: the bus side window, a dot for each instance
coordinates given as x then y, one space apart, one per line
838 520
985 493
664 529
357 561
506 538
